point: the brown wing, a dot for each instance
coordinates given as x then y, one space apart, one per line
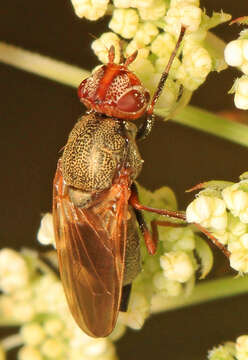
91 247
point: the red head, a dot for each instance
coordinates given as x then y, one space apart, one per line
114 90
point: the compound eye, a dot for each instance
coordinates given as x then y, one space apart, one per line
133 101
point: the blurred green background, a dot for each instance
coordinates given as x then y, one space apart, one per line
36 116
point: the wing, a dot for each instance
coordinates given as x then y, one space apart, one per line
91 246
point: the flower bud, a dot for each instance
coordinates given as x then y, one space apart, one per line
102 45
233 53
177 266
236 201
241 93
90 9
221 353
29 353
46 232
183 13
53 348
242 347
53 326
32 334
124 22
195 67
239 260
163 44
14 272
146 33
209 212
153 12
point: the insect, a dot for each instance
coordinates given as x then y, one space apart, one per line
95 200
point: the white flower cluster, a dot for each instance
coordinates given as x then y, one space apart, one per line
152 27
225 214
231 350
37 303
236 54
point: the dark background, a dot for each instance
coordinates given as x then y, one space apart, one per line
36 116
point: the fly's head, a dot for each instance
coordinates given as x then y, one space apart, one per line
115 91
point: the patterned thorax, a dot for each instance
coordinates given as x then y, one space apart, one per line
115 91
96 148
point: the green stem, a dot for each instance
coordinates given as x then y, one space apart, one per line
41 65
213 124
204 292
11 342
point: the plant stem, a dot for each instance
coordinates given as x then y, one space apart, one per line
41 65
203 292
213 124
11 342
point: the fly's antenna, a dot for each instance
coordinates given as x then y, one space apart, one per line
146 127
164 75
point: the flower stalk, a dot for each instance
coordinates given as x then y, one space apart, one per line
204 292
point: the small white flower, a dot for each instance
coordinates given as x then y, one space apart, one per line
241 93
234 53
223 352
242 347
163 45
209 212
23 311
183 13
53 348
177 266
33 334
53 326
146 32
235 226
236 201
124 22
154 12
102 45
46 232
244 240
196 65
239 260
29 353
14 272
90 9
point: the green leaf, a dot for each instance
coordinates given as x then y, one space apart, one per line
205 254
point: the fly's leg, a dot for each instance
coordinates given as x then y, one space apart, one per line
146 127
151 240
134 201
156 223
